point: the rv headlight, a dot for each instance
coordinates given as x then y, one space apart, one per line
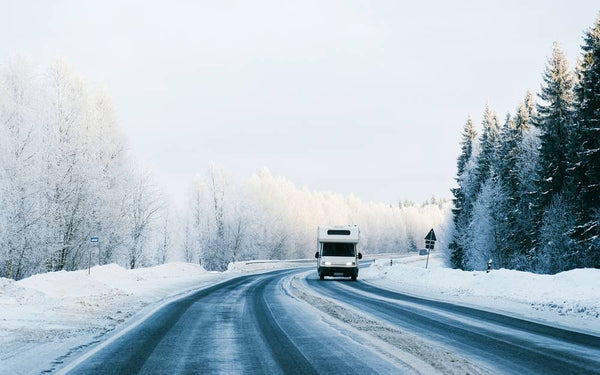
350 263
328 263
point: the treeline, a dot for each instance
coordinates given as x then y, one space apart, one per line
267 217
66 176
528 194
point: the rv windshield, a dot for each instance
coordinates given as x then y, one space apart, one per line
338 249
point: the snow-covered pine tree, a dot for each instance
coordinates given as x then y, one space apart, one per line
587 94
483 224
554 119
469 137
512 135
490 142
575 170
461 210
508 151
525 114
556 248
523 178
483 238
507 183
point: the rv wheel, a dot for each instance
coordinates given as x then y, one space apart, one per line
322 277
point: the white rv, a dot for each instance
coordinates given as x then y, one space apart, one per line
337 253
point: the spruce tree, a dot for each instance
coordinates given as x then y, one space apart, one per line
509 140
555 115
461 210
483 190
587 171
490 141
556 246
482 240
525 114
555 122
507 184
522 194
468 138
511 137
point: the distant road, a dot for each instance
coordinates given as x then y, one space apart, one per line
251 325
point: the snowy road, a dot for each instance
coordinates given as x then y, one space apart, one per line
274 323
245 325
498 342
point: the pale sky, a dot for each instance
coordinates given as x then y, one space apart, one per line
346 96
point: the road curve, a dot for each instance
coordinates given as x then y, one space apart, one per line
251 325
498 342
247 325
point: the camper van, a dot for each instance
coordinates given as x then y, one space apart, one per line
337 253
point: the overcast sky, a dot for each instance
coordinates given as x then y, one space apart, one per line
344 96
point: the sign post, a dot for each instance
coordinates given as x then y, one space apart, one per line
94 240
429 244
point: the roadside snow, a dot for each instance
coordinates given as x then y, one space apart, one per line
48 316
570 299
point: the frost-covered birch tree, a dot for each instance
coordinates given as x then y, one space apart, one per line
64 175
143 203
20 153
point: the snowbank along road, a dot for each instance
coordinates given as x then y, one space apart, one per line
290 322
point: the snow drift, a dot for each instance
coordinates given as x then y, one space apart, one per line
570 298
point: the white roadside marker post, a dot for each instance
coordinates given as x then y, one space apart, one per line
93 240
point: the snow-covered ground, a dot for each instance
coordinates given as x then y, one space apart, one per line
49 315
570 299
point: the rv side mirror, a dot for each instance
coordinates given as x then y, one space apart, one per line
317 255
359 256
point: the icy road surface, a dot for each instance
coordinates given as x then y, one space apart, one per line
290 322
497 342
